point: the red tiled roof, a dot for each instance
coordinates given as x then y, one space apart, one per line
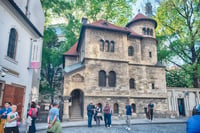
72 51
141 16
106 25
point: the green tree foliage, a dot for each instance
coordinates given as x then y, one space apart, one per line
178 78
178 33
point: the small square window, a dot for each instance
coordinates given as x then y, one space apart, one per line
153 86
150 54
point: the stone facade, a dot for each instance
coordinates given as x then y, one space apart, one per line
84 62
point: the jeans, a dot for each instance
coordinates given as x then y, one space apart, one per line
11 129
32 128
128 120
89 120
107 120
151 114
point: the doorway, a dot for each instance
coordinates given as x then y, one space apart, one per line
181 107
77 107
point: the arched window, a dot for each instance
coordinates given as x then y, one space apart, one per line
144 31
133 107
112 79
101 45
116 108
151 32
130 51
148 32
132 83
12 44
107 46
112 46
102 78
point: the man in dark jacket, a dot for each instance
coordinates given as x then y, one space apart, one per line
193 123
90 112
150 110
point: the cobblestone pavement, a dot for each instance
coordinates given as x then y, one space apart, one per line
147 128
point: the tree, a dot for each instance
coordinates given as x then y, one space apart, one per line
178 78
178 33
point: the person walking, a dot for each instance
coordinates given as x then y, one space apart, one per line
193 123
54 125
33 114
106 111
128 115
150 109
90 112
11 123
3 115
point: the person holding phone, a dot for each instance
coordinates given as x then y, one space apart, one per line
11 123
3 115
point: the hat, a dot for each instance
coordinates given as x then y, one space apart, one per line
198 108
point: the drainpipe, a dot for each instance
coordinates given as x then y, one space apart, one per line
27 12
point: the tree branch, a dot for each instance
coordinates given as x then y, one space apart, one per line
179 12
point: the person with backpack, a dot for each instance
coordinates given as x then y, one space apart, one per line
54 125
33 114
128 115
193 124
11 122
3 115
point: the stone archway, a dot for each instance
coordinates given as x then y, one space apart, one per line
77 107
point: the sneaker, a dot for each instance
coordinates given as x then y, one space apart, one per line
110 125
129 128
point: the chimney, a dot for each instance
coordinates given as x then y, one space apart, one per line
84 21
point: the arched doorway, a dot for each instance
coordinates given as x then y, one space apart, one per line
76 109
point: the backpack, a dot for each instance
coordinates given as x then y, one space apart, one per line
33 113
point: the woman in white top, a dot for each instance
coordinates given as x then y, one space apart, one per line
11 124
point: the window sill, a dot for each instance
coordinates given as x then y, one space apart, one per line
11 60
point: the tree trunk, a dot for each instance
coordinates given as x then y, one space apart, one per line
195 77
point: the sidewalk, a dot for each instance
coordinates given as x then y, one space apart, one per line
43 126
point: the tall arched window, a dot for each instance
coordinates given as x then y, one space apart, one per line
133 107
112 79
12 44
107 46
151 32
116 108
112 46
148 31
144 31
130 51
101 45
102 78
132 83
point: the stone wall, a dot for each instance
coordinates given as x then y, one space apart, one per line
137 26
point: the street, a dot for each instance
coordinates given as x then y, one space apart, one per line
146 128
